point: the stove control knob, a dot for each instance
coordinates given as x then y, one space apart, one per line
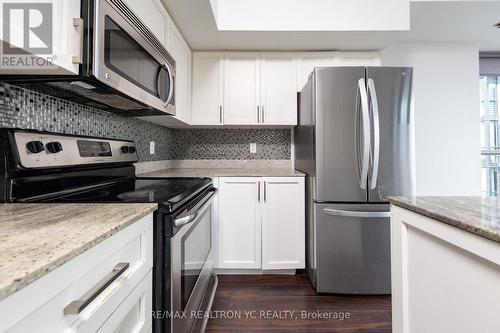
54 147
131 149
124 149
35 147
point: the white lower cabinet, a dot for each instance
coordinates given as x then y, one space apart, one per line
283 215
124 305
239 222
134 313
261 223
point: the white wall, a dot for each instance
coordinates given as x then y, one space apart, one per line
446 111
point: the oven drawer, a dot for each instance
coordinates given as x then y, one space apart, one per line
82 294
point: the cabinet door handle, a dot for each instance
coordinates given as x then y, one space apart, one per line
220 114
258 114
78 24
262 109
78 306
258 192
265 191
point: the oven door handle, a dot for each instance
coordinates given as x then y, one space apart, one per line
192 217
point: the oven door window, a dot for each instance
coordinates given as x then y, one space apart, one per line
196 246
127 58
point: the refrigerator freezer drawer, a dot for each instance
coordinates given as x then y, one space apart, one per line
353 249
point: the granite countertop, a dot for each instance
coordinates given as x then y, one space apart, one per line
225 172
477 215
37 238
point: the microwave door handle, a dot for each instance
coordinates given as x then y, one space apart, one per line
158 81
170 86
171 83
376 133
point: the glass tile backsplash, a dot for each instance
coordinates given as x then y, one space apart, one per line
21 108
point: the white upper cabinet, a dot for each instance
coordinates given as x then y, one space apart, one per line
309 60
283 229
178 49
278 89
306 63
63 49
239 222
357 59
241 88
258 89
153 15
208 87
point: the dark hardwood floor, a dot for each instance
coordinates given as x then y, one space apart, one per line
242 302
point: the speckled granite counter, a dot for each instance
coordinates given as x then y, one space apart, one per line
477 215
225 172
37 238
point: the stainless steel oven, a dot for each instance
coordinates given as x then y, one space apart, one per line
184 281
124 68
192 263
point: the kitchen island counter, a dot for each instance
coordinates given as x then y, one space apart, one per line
445 249
35 239
477 215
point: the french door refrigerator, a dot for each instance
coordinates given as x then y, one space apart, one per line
354 142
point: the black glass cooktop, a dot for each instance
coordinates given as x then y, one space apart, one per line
169 193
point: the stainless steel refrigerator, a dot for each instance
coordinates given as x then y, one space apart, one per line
354 142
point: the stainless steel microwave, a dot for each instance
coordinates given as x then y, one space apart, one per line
124 67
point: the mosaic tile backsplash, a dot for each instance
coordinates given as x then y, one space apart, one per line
230 144
21 108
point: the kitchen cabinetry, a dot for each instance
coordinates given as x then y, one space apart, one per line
124 304
239 222
182 55
241 88
153 15
278 89
306 63
66 44
283 214
261 223
255 89
208 87
308 60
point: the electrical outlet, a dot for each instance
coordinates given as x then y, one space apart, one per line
152 148
253 148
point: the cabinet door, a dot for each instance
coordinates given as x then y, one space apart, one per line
357 59
239 222
278 89
57 52
208 78
152 15
241 88
182 56
283 223
307 62
134 313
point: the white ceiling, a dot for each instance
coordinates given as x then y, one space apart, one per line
445 21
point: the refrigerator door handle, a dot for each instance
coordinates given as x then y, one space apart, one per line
352 213
363 173
375 155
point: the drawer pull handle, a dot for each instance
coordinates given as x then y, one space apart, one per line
77 306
